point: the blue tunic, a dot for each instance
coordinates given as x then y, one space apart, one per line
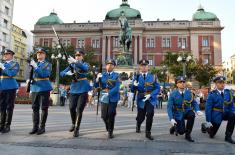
41 77
7 80
178 106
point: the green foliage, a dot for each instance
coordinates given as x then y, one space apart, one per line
159 72
204 73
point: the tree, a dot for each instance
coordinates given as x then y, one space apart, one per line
158 72
176 68
204 73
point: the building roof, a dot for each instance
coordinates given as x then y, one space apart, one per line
202 15
129 12
49 20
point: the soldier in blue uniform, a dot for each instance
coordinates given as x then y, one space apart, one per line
63 95
148 88
40 89
219 107
180 107
8 87
78 90
110 84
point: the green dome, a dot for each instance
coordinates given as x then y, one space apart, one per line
202 15
49 20
124 7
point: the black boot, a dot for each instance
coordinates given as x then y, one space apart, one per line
148 135
8 122
172 130
111 127
188 137
77 127
42 130
73 119
35 116
203 128
138 128
228 138
106 125
3 120
110 132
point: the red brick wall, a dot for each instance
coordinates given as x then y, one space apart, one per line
158 59
87 41
174 43
74 42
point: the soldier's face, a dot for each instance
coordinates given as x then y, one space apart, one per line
220 85
109 67
181 84
7 56
79 57
41 56
144 68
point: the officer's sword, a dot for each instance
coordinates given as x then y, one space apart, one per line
135 91
99 89
65 54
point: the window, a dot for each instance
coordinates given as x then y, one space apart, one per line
182 42
150 59
166 42
206 58
116 42
4 37
81 43
150 43
96 43
66 42
5 23
21 62
205 41
6 10
46 42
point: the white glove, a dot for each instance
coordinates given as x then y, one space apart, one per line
209 124
33 64
69 73
199 113
71 60
2 66
147 97
173 122
136 83
27 81
98 77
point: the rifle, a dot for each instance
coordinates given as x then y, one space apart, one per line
65 54
99 89
30 78
133 100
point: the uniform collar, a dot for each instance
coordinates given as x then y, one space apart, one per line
110 73
220 91
9 61
180 91
145 74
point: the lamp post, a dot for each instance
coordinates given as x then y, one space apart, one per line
184 60
164 72
57 80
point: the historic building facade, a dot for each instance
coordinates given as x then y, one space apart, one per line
151 39
6 14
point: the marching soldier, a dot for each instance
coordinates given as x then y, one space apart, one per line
219 107
148 88
8 87
40 89
180 108
109 82
78 90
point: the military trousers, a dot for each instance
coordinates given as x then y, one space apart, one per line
180 126
148 111
108 113
230 117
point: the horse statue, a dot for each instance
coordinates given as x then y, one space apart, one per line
125 36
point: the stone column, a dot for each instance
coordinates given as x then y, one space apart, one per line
109 47
135 50
103 49
140 47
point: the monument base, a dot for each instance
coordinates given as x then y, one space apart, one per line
126 69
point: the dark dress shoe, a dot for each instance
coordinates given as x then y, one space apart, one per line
229 140
34 130
189 138
41 131
72 128
149 136
76 133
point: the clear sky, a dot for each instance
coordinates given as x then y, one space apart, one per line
27 12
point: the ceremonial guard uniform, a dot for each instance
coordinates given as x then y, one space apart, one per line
180 107
219 107
8 87
40 90
148 88
78 90
109 82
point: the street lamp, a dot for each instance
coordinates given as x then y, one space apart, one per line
184 60
164 72
57 58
